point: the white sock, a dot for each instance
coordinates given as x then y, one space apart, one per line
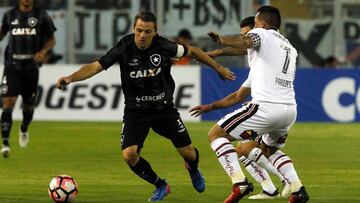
228 158
259 174
257 156
285 166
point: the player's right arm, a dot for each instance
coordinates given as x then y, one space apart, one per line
2 35
233 98
4 27
85 72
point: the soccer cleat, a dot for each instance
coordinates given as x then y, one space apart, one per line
197 179
239 190
300 196
285 193
160 193
266 195
5 151
23 139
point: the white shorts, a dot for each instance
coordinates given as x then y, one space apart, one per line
270 120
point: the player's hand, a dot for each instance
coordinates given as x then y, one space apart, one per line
212 54
63 82
198 110
39 56
215 37
226 74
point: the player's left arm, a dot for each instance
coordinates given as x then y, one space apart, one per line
227 51
202 57
47 31
239 41
49 44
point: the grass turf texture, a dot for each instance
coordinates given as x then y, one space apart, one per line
326 157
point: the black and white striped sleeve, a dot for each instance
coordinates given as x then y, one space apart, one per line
256 39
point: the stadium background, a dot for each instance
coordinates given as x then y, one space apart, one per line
326 153
87 29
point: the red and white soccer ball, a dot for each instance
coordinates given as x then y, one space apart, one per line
63 188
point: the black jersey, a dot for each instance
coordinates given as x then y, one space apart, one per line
145 74
29 31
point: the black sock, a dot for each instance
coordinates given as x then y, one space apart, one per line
144 171
27 118
193 165
6 123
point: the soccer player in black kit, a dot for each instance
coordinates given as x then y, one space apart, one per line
31 36
145 63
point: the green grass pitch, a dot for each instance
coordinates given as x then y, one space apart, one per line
326 156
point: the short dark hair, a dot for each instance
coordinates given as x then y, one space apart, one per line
146 16
270 15
185 33
248 21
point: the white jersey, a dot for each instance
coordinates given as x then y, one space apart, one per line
272 63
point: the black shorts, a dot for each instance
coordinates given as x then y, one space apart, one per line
20 82
168 124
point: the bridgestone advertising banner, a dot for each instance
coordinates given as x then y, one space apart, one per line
100 98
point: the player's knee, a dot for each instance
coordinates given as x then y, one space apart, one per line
8 103
28 107
215 132
239 149
130 157
267 150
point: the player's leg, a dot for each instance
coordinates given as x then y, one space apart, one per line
269 191
170 125
228 158
9 91
6 123
134 133
255 153
271 144
29 89
191 158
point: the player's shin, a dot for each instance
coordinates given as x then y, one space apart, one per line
228 158
27 118
257 156
143 169
6 123
259 174
192 165
285 166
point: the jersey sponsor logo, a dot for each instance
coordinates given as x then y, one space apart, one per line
23 31
145 73
134 62
15 22
22 56
155 59
158 97
283 82
32 22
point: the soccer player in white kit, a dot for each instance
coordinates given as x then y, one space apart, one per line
271 112
269 190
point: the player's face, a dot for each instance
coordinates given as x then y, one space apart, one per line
245 30
26 3
144 33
